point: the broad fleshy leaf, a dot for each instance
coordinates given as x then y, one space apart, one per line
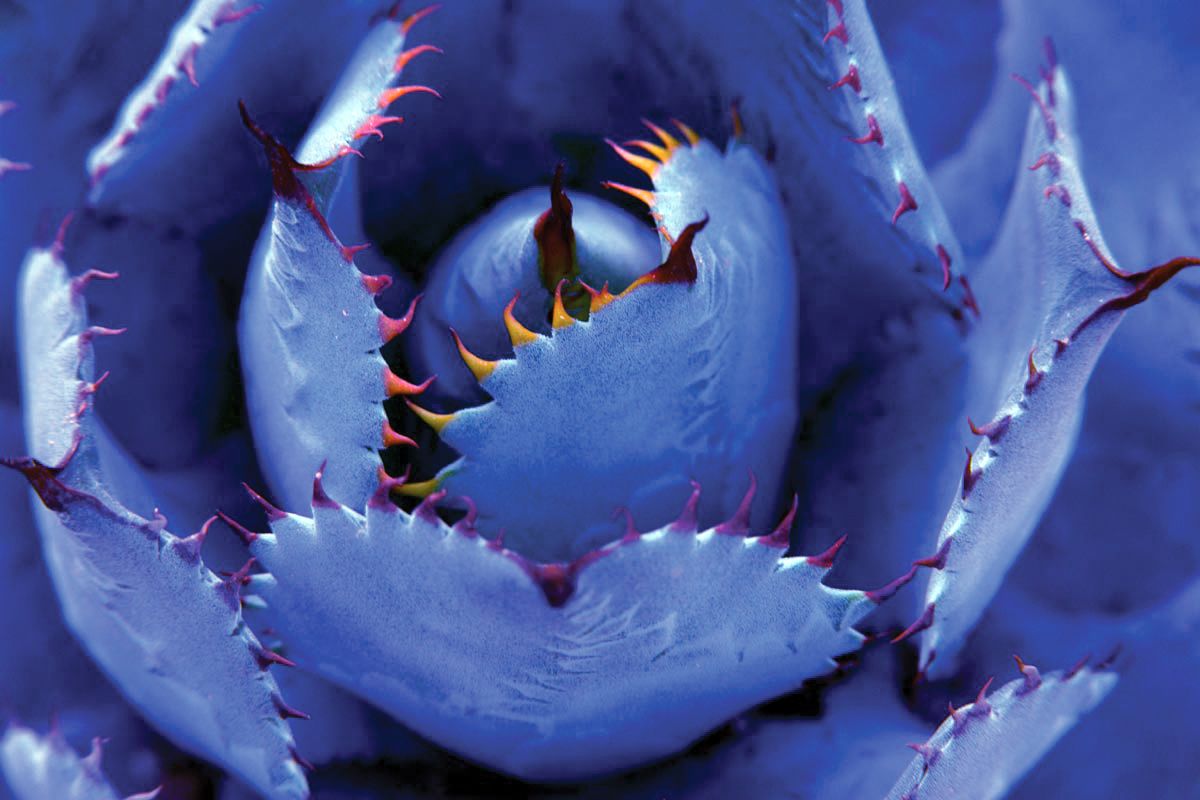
984 747
195 44
887 148
41 767
550 671
776 62
1158 661
178 344
612 654
1139 440
869 289
496 257
684 377
310 331
1142 174
1155 650
175 150
44 674
164 628
1141 424
853 751
1059 297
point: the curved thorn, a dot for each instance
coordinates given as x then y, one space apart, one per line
599 299
518 333
646 165
395 385
389 96
687 520
393 439
873 134
739 523
274 514
320 498
421 489
434 420
992 430
825 560
669 141
408 55
938 559
246 535
286 711
680 266
1033 678
692 137
415 17
390 328
559 318
907 202
922 622
885 592
781 537
645 195
481 368
660 153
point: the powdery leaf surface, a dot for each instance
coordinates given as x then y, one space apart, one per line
166 630
550 671
1064 297
43 767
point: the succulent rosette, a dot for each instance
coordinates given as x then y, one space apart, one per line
642 417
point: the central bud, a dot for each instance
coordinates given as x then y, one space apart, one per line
529 246
558 267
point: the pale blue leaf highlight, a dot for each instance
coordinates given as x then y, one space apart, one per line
41 768
166 630
984 747
550 672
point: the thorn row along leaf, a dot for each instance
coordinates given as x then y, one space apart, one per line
1032 400
287 185
983 748
177 62
557 580
863 66
342 304
678 267
546 614
46 767
700 266
104 544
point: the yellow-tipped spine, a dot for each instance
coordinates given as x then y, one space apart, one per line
692 137
518 333
645 195
735 116
646 165
669 141
481 368
656 150
434 420
421 489
599 299
559 318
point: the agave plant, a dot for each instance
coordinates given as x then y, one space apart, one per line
528 458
